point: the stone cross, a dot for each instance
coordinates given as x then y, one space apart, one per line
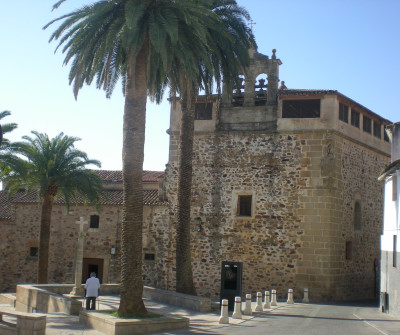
78 290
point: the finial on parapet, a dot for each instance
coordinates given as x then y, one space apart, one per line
273 54
282 86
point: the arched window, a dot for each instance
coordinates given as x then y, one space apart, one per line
357 215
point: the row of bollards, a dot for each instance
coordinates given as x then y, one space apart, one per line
269 300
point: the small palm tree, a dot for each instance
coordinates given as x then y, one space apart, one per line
52 167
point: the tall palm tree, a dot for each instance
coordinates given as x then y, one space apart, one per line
226 56
52 167
134 40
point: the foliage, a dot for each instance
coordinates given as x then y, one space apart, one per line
54 164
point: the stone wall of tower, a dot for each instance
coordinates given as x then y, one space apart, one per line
304 186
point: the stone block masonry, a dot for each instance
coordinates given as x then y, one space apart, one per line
303 188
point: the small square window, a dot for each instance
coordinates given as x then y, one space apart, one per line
149 257
355 118
94 221
343 113
244 205
203 111
34 251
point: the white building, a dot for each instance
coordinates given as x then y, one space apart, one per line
390 262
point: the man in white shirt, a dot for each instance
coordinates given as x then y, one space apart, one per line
92 291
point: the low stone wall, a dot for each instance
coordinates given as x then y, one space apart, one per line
191 302
49 298
115 326
26 323
41 298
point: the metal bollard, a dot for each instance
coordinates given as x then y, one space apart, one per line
305 299
224 312
273 298
247 309
290 297
237 311
259 306
267 303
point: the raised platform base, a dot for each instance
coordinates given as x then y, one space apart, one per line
114 326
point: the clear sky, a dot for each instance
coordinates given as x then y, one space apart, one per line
347 45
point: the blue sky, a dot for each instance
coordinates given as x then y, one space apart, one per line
347 45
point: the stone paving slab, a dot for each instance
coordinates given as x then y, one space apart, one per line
284 319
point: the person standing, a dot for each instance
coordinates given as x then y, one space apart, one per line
92 291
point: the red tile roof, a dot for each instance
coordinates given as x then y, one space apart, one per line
116 176
111 197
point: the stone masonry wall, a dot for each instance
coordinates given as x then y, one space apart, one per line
20 234
303 187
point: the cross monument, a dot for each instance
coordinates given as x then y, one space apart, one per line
78 289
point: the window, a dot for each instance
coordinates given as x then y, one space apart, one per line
367 124
33 251
355 118
394 251
349 250
244 205
377 130
343 113
302 109
394 187
357 215
385 136
203 111
94 221
149 257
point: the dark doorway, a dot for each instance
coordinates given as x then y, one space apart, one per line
92 265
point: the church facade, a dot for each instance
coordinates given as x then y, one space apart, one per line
284 183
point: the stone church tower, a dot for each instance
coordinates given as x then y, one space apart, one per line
284 182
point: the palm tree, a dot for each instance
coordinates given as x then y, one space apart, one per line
52 167
6 157
5 128
135 40
226 57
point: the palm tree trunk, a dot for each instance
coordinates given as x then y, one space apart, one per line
44 241
184 273
132 174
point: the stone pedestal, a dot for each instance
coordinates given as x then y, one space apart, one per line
224 319
247 309
273 298
259 306
267 303
237 312
290 299
305 299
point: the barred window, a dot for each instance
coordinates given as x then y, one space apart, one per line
355 118
367 124
302 109
343 113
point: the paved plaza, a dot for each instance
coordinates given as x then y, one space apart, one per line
283 319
